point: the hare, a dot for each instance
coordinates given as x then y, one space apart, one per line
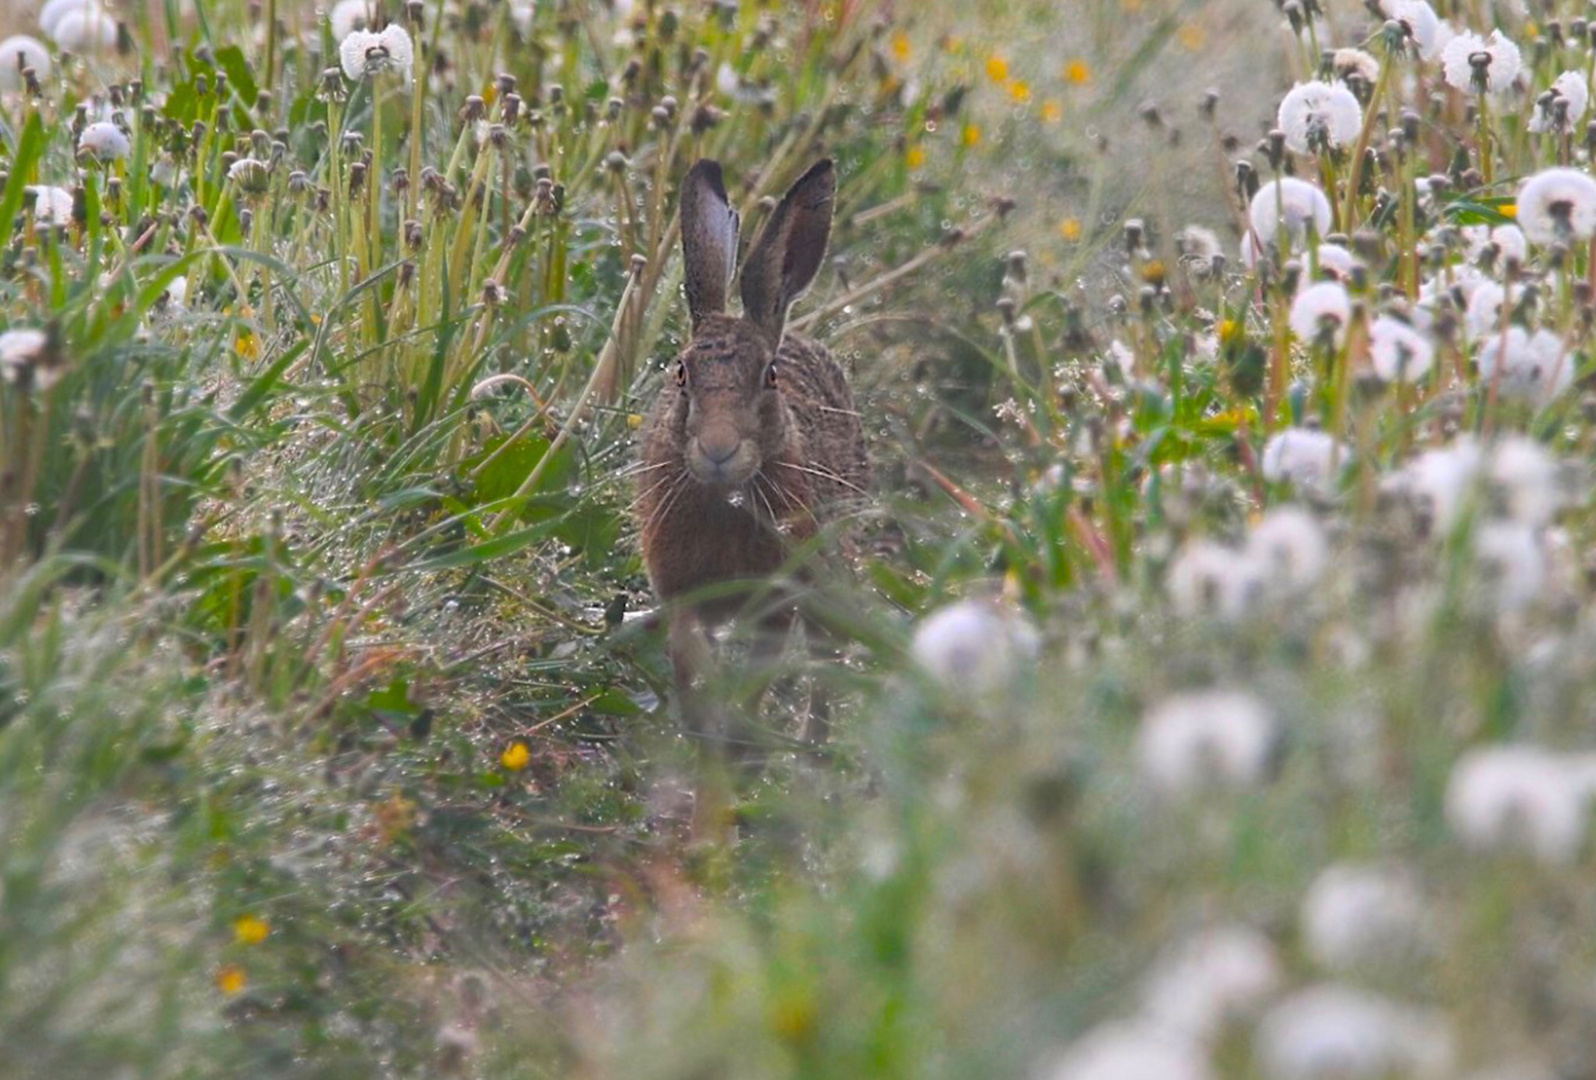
754 440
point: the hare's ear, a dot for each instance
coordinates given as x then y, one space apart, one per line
789 251
709 240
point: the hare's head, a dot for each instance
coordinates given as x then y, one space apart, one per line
730 418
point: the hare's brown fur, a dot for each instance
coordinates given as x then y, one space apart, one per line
754 441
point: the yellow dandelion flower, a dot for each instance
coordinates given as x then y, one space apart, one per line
914 157
1077 72
1070 229
997 69
1193 37
1508 210
250 930
247 346
1052 112
1231 331
1020 91
516 756
490 93
971 135
634 420
900 46
230 980
1153 272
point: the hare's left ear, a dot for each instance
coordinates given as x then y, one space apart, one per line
709 240
789 251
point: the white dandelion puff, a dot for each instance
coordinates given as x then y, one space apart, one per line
1335 262
1526 480
54 11
1290 204
51 205
19 348
974 648
1529 367
1288 548
1497 61
1355 63
1335 1032
1397 351
1207 578
1562 105
347 16
1207 739
1216 977
1509 241
1321 313
1437 482
1319 116
1305 457
1418 18
364 54
1355 915
85 29
1131 1051
1505 797
1511 562
18 53
104 141
252 175
1557 206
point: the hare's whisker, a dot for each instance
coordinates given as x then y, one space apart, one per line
826 474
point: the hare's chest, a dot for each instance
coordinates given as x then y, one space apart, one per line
707 539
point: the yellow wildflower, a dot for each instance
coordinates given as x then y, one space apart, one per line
914 157
1052 112
1077 72
634 420
515 756
1193 37
997 69
1070 229
248 347
900 46
1020 91
1508 210
230 980
250 930
970 135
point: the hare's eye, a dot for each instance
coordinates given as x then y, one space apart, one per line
770 375
681 373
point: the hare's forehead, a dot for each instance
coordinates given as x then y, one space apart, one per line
714 362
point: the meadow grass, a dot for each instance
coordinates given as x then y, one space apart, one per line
1218 637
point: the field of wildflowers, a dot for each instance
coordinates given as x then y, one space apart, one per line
1218 649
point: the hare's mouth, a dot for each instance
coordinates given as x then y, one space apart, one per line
722 472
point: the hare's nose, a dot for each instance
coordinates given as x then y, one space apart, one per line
718 449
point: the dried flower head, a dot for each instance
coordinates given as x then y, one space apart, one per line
1560 108
1419 20
51 205
104 141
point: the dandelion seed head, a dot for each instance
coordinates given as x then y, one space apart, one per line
974 648
19 348
1557 206
51 205
1533 367
1507 797
1499 56
1293 204
347 16
1438 481
1131 1051
1355 63
105 141
1321 312
1527 480
1335 1032
1215 977
1397 351
252 175
1335 262
1512 561
1418 18
1563 104
1201 253
85 28
1206 578
17 53
364 54
1317 116
1288 548
1357 914
1306 457
1206 739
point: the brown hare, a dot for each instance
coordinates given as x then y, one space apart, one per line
754 440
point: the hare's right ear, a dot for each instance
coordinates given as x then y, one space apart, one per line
709 240
788 253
